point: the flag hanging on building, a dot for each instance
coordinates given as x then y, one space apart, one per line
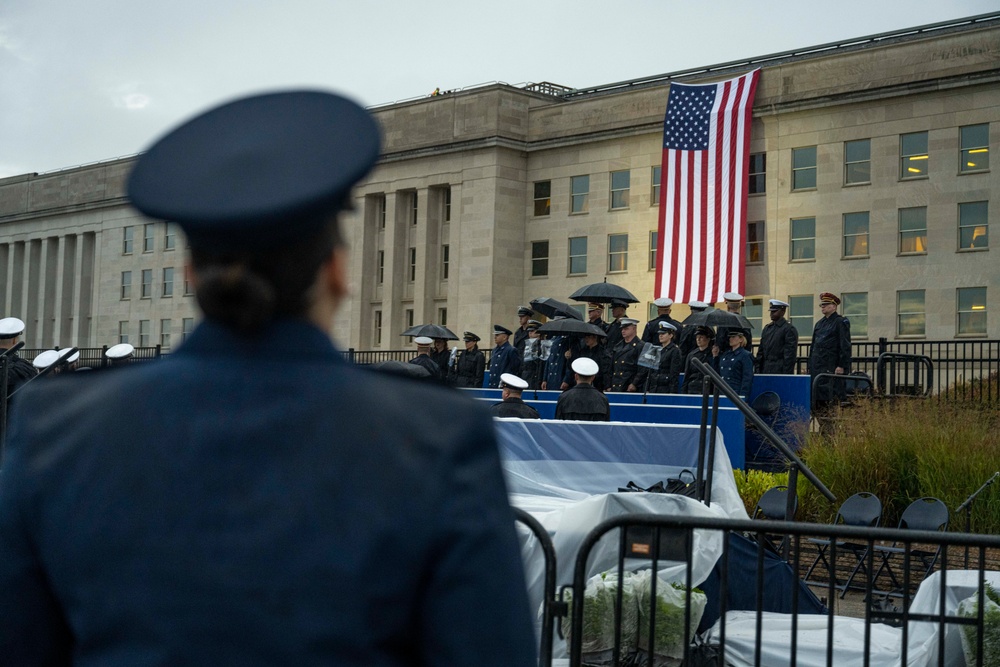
703 192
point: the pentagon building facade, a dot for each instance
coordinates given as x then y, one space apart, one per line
874 174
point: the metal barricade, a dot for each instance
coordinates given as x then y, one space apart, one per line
552 609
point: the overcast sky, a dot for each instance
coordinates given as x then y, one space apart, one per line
89 80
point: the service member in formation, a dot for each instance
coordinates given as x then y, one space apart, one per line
233 503
121 354
521 334
423 358
685 340
595 314
532 365
830 352
693 377
503 358
651 334
19 370
736 364
441 355
591 348
583 401
665 379
554 374
469 366
734 304
625 357
512 405
614 327
779 343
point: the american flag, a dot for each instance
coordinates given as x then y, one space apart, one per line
703 193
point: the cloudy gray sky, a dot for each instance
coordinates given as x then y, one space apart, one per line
88 80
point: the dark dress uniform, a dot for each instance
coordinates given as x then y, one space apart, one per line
19 371
533 368
556 365
614 331
651 333
520 336
503 359
624 364
831 347
468 368
513 407
722 338
692 377
736 368
583 402
778 347
424 361
601 355
686 341
442 359
666 378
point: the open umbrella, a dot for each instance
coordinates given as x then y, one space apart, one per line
431 331
568 327
603 293
553 308
718 318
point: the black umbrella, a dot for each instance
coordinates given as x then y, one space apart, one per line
603 293
718 318
431 331
552 308
568 327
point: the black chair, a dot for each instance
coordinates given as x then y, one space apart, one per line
772 506
861 509
929 514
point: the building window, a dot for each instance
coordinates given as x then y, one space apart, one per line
913 230
971 311
911 316
411 274
443 316
170 236
126 285
755 242
168 281
800 314
856 234
620 181
543 198
753 310
445 260
858 162
377 329
913 156
380 210
654 197
856 310
447 204
165 334
188 290
187 326
144 333
123 331
128 240
413 207
973 226
380 271
539 258
408 317
146 288
148 237
803 234
617 253
577 255
757 174
804 168
975 154
654 240
579 194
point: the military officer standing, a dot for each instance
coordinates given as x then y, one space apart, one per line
503 358
779 343
512 405
665 379
523 317
693 378
533 366
651 334
595 312
625 357
19 370
468 368
736 365
440 355
830 352
685 340
614 328
583 401
423 358
734 304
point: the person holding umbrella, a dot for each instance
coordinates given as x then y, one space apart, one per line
685 339
734 304
702 352
665 379
440 355
468 368
503 358
423 358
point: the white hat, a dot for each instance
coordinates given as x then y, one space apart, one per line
45 359
11 327
120 351
732 296
698 305
663 302
585 366
511 380
73 357
423 340
628 322
666 326
776 303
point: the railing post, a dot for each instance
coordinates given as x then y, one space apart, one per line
883 345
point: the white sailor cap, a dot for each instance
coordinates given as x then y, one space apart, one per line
666 326
732 296
628 322
45 359
698 305
511 380
423 340
120 351
11 327
663 302
585 366
777 304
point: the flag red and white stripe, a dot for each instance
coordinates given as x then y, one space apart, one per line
703 192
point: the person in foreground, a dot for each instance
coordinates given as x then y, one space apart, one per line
583 401
248 503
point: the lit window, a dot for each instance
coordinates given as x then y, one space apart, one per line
539 258
913 157
165 334
148 237
758 174
856 310
128 239
543 198
126 285
168 281
800 314
973 226
123 332
170 236
911 316
620 181
377 329
579 194
858 161
445 260
971 311
411 275
654 239
913 230
617 253
187 326
804 168
803 234
578 255
856 234
755 242
144 333
975 154
654 197
146 287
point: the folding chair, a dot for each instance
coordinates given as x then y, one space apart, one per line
861 509
771 506
929 514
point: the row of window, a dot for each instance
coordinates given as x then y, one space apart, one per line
579 188
145 337
577 264
411 264
411 204
146 284
149 237
408 321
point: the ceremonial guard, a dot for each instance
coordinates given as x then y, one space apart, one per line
595 312
702 352
512 405
736 364
830 352
503 358
665 379
467 370
441 355
554 377
583 401
590 348
625 357
779 343
685 339
533 366
614 328
651 334
18 370
523 317
734 304
423 358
